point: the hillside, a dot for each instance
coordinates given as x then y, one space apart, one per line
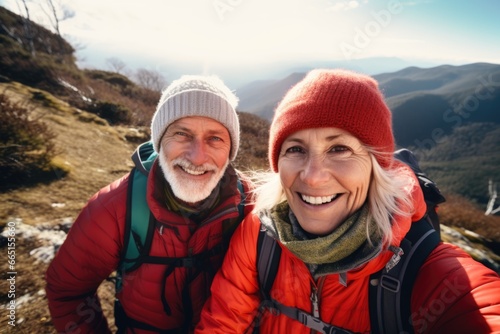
262 97
466 160
443 97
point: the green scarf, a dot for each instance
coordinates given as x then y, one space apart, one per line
345 248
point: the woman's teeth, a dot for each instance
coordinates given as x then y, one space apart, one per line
318 200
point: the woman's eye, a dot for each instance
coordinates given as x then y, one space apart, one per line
294 149
340 149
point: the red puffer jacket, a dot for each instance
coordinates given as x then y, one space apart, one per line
452 294
92 252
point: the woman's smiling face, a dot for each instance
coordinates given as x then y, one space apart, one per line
325 173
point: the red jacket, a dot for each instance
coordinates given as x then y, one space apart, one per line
92 251
452 294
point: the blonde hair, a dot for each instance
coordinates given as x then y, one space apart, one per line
389 194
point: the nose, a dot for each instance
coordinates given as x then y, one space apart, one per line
314 172
198 152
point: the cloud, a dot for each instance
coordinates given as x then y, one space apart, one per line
342 5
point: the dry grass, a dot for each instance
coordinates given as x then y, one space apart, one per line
459 212
96 154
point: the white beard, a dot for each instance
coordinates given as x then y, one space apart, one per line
187 190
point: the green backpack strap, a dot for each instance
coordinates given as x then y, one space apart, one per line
143 157
138 224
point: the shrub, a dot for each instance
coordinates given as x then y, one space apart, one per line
26 148
112 78
112 112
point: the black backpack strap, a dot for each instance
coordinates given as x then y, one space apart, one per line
268 258
308 320
390 289
432 194
127 322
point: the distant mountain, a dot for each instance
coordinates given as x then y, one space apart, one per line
261 97
429 103
426 102
237 76
449 115
464 161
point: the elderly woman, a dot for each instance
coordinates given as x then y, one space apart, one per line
338 204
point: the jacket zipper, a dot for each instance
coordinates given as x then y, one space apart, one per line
315 298
315 302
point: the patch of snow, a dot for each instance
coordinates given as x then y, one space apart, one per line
49 237
73 88
19 301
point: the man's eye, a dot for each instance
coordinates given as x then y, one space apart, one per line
214 138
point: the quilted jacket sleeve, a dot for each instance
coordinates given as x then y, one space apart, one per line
455 294
235 289
89 255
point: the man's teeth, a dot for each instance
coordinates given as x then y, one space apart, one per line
193 172
318 200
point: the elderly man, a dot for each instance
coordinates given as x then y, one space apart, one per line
195 201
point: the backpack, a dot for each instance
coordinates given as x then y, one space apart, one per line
389 289
138 236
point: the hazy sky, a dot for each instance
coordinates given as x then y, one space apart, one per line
249 32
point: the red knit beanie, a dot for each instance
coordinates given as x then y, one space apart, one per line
335 98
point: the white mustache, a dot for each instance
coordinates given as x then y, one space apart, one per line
193 169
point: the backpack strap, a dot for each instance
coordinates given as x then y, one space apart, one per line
138 236
268 258
241 206
308 320
144 156
137 228
432 194
390 289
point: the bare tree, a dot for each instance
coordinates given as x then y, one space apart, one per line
28 31
492 191
150 79
115 64
54 17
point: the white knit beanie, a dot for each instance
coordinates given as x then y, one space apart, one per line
194 95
